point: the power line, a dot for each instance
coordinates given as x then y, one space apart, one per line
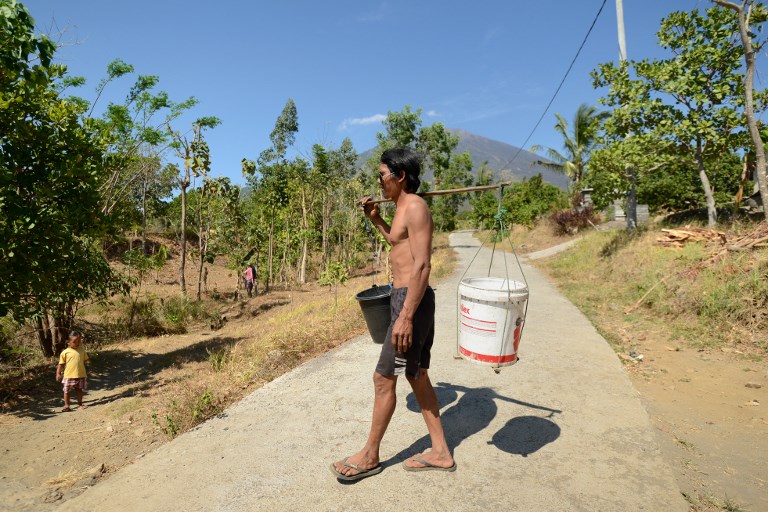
520 148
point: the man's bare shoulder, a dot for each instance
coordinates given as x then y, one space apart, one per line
416 204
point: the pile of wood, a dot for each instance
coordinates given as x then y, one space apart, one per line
755 239
676 238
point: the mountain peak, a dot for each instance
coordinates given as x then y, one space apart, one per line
508 163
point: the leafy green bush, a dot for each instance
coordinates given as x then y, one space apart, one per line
523 203
179 311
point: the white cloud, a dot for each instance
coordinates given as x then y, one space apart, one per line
432 113
361 121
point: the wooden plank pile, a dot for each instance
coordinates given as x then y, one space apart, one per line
755 239
676 238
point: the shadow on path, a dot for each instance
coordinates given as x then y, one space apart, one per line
40 396
472 414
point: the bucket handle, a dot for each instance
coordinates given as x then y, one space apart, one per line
499 218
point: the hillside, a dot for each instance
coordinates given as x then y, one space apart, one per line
508 162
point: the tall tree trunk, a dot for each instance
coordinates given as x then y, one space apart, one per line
749 108
200 274
742 181
144 246
43 334
271 255
705 185
183 262
59 333
302 264
202 247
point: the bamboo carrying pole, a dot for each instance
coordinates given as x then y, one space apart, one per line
447 192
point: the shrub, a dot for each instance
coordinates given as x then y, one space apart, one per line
179 311
569 222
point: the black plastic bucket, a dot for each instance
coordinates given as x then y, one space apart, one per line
375 305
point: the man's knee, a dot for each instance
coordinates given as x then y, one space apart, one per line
384 383
413 379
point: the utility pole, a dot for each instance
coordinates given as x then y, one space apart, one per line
632 196
622 39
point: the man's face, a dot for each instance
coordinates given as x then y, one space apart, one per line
387 180
74 342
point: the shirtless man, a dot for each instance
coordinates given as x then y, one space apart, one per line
406 350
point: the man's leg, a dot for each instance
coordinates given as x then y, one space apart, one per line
440 455
383 407
66 400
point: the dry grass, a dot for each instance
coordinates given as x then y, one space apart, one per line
524 239
64 480
634 282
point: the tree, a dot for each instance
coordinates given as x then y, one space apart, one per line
402 129
51 164
484 204
215 200
692 101
436 146
457 175
744 15
274 172
578 143
197 163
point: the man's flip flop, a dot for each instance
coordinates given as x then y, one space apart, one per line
426 466
363 473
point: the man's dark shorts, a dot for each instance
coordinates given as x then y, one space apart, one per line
418 355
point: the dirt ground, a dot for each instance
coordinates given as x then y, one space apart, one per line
708 408
709 411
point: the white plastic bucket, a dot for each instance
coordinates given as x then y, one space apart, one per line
491 318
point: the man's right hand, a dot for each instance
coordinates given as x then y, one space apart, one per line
370 208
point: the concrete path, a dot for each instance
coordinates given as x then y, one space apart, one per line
562 430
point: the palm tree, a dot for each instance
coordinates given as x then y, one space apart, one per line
577 145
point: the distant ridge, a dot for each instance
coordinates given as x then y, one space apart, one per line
498 156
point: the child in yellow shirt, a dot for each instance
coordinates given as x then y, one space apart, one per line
71 370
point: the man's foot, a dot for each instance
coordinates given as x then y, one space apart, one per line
429 462
81 406
66 409
348 471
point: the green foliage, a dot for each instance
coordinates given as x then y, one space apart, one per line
178 311
523 203
205 407
218 358
193 409
51 163
171 426
401 130
690 106
531 199
334 274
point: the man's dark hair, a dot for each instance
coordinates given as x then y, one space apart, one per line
404 160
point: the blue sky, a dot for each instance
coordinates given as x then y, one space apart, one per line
489 67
